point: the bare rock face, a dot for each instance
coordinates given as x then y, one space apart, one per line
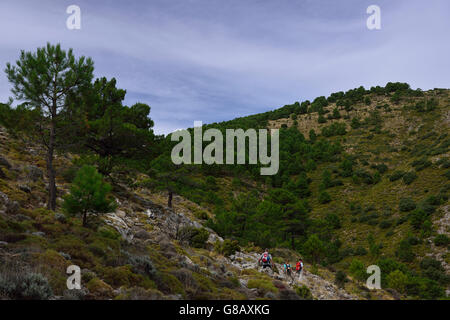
7 205
5 163
320 288
34 173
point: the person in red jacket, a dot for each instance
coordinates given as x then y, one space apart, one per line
299 266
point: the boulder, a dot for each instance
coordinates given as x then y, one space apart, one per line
12 207
142 234
5 163
25 188
270 295
38 234
34 173
3 199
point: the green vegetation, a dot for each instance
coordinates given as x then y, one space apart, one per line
363 179
88 194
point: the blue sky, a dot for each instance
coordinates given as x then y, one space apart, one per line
212 60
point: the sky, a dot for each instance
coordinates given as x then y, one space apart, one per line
215 60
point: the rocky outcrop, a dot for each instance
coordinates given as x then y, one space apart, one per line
166 223
320 288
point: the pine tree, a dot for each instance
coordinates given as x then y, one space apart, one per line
43 80
89 194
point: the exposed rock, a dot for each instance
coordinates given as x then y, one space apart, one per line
4 199
60 217
39 234
25 188
65 255
5 163
121 214
270 295
12 207
34 173
142 234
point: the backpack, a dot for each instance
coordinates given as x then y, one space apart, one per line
298 266
265 257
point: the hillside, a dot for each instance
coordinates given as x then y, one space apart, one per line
364 179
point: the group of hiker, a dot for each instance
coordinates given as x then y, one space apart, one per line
266 261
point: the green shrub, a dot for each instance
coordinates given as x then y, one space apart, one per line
142 265
360 251
336 129
340 278
404 251
324 197
23 285
227 247
321 119
421 164
409 177
357 270
263 285
396 175
382 168
89 194
397 280
441 240
194 236
304 292
385 224
406 205
355 124
333 220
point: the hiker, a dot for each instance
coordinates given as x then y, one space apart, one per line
266 259
299 267
287 268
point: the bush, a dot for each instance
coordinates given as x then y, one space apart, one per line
88 194
336 129
397 280
324 197
142 265
333 220
227 247
404 251
360 251
409 177
195 237
421 164
321 119
382 168
263 285
340 278
355 124
441 240
406 205
25 286
396 175
304 293
385 224
357 270
418 218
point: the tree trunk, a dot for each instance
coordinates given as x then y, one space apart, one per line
293 241
51 170
169 202
85 219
